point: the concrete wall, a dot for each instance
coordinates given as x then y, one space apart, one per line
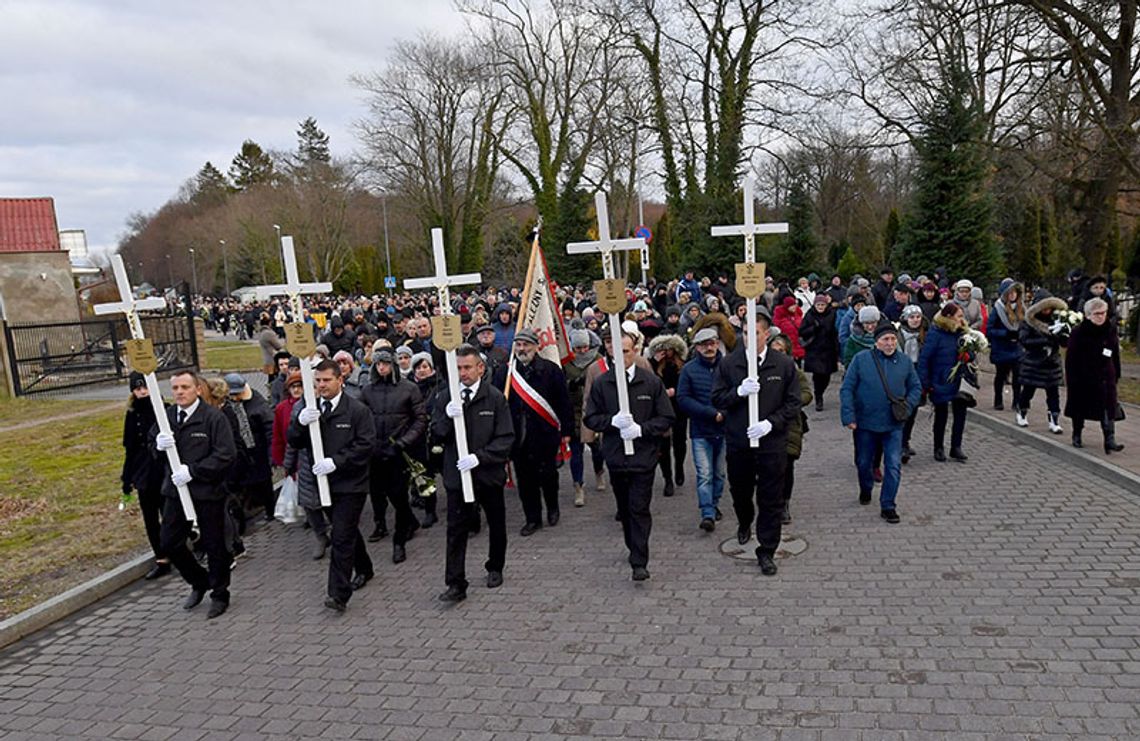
37 287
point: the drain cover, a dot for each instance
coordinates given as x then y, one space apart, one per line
790 545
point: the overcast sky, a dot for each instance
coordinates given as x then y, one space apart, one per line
109 105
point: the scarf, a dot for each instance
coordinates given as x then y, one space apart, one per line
243 424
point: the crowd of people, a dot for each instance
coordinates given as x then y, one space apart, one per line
386 415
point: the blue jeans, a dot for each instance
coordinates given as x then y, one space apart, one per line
708 459
866 443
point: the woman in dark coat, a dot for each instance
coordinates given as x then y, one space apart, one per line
667 355
1092 367
820 339
1041 340
1002 332
936 363
142 472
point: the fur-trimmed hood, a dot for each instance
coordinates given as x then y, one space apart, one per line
669 342
1033 313
948 324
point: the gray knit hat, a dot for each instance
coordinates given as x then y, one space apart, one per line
868 314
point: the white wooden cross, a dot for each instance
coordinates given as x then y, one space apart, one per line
606 246
294 289
749 229
129 306
442 283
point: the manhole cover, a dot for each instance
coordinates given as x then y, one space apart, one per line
790 545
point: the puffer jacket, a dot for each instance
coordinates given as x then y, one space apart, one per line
864 401
694 397
799 425
398 414
1040 364
1004 326
937 359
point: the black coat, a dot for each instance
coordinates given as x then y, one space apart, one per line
1090 375
252 464
490 436
1040 364
347 436
820 339
535 437
650 407
205 446
398 414
779 398
140 470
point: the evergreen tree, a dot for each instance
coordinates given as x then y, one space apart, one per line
210 186
1133 269
1054 265
251 166
800 252
850 264
891 232
1025 261
312 143
951 220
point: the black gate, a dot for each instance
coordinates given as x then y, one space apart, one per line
45 357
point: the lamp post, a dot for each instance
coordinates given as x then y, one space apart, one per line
169 271
387 251
225 266
277 228
194 270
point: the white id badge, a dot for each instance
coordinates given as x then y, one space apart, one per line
1106 352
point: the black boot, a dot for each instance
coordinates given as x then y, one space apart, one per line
940 455
1108 425
1078 427
958 455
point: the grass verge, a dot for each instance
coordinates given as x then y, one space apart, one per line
1128 390
29 409
59 518
231 356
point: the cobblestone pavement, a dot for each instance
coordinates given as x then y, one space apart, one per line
1004 606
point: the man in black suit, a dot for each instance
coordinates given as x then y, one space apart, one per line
206 449
756 475
490 436
348 436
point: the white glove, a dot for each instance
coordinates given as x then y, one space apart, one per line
454 409
1056 327
759 430
621 420
164 441
323 467
632 432
308 415
181 477
748 387
467 462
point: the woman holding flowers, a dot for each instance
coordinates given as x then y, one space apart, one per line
1041 336
944 361
1092 367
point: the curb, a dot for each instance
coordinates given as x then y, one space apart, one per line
44 614
1126 479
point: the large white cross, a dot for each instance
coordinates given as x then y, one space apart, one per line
294 289
442 283
606 246
129 306
749 229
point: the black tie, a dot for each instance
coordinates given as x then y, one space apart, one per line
326 405
466 393
181 416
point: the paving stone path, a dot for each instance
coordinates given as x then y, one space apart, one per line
1006 605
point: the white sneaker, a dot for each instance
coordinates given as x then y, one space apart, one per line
1021 420
1054 425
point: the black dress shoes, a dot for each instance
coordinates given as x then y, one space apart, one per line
379 533
940 455
334 604
767 564
679 477
708 524
157 571
530 529
864 497
494 579
193 599
743 536
399 554
553 517
668 489
890 515
360 580
958 455
640 573
217 608
453 594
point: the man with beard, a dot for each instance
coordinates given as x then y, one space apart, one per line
542 420
494 357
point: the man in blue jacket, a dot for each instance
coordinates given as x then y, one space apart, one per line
866 409
706 423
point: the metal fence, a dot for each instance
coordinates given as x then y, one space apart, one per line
46 357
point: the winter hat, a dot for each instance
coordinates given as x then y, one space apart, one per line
383 355
862 282
137 380
964 283
854 292
910 311
1005 285
587 313
762 311
884 328
235 382
294 379
405 351
640 306
976 292
868 314
789 301
526 335
579 338
484 328
706 334
342 354
822 298
905 279
673 310
422 357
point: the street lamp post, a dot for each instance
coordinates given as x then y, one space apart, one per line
387 251
194 270
225 266
277 228
169 271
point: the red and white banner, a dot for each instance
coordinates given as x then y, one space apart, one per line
539 310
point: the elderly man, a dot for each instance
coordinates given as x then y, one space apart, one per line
543 421
706 423
872 405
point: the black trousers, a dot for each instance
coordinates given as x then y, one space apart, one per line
756 482
634 492
388 482
789 479
957 429
459 513
151 503
215 541
537 482
1006 371
1052 398
820 382
672 448
347 544
596 456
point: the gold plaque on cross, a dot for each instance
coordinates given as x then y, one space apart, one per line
611 295
140 356
299 339
750 279
446 332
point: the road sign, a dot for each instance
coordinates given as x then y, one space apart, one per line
644 232
389 281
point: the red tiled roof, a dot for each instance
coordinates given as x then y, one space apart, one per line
28 225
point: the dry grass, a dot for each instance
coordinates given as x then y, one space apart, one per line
231 356
59 518
28 409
